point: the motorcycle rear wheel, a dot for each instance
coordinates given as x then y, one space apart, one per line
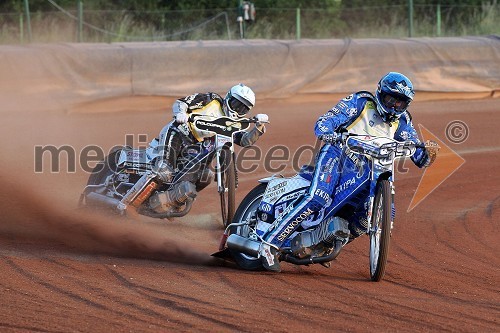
380 233
228 182
104 168
248 206
99 174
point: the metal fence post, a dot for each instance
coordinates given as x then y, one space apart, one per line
438 19
21 28
28 20
298 24
227 26
80 21
410 18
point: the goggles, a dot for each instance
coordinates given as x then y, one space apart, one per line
238 106
392 102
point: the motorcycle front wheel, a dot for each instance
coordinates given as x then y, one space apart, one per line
228 190
380 233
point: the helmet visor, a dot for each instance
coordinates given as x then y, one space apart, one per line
396 103
238 107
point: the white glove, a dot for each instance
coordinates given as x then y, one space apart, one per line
261 118
181 118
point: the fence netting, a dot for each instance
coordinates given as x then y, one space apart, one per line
71 25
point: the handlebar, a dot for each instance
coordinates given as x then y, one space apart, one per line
344 135
252 120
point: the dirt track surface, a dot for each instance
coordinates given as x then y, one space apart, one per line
64 271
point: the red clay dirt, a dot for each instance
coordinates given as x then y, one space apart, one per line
62 270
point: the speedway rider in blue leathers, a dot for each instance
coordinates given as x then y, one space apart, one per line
384 114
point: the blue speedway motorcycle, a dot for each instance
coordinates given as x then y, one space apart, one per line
366 185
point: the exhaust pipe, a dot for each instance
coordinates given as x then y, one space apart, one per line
243 245
97 199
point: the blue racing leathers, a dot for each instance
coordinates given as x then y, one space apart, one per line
358 114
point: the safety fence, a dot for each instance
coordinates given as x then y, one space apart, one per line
395 21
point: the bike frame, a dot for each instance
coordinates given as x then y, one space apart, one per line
224 129
382 154
364 161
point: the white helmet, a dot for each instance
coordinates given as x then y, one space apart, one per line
238 101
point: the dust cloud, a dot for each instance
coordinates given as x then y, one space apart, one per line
29 215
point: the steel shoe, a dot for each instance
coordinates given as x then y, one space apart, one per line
270 258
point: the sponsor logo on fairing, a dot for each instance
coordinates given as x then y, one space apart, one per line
280 210
276 190
138 165
327 169
213 125
322 194
291 227
345 185
266 208
291 196
135 154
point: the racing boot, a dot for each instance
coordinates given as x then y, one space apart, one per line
270 259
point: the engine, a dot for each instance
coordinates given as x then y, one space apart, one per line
304 243
163 202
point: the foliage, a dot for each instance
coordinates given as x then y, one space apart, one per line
143 20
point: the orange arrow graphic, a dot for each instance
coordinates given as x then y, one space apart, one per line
446 163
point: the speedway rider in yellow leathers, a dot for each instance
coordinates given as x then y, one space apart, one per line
180 133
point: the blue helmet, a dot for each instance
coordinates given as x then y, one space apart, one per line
394 94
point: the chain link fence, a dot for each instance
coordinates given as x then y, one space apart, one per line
90 26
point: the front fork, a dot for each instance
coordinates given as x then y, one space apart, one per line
220 189
393 206
370 209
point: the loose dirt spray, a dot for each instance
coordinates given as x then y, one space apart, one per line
28 215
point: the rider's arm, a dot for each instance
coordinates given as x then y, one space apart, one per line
341 115
406 132
246 139
183 107
188 103
179 107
